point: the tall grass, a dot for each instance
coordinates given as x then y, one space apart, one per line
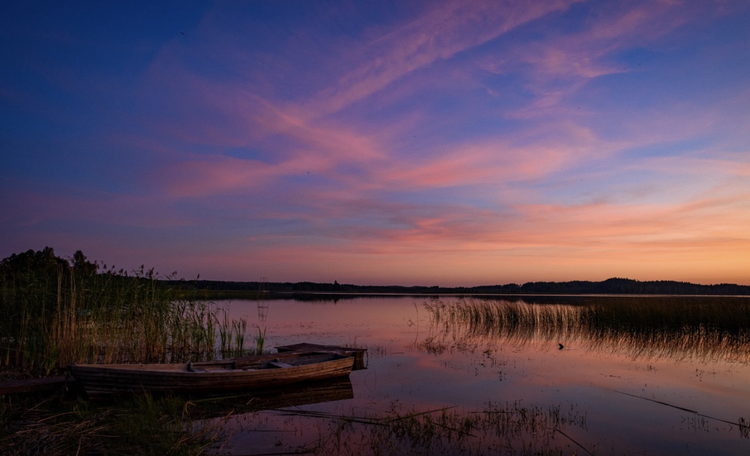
232 335
679 327
260 340
59 311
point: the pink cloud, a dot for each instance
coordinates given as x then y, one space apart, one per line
562 64
324 147
477 165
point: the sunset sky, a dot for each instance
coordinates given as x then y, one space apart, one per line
406 142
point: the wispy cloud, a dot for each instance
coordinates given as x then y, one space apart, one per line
442 32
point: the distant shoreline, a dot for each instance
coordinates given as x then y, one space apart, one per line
610 287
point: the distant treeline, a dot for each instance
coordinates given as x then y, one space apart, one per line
614 286
27 262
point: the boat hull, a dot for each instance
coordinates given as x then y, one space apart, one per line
242 374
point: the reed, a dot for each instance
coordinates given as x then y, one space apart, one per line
232 335
240 329
260 340
679 327
59 311
225 333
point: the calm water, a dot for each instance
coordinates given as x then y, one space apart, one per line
615 397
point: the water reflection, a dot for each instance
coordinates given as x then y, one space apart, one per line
678 329
263 296
499 428
262 311
297 395
647 376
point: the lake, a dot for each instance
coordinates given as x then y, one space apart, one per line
507 376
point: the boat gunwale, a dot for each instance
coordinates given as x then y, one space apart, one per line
183 369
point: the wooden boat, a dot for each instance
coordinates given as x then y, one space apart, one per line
248 373
357 353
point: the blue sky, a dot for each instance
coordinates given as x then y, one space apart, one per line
433 143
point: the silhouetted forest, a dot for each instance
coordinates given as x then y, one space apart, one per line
616 286
30 261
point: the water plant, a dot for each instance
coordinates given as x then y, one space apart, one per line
260 340
232 336
681 328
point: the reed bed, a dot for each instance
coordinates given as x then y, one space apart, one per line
679 327
60 311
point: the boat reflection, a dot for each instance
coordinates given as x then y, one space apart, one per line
314 392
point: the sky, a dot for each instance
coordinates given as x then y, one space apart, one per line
450 143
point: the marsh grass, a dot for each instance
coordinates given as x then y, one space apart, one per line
59 311
232 335
679 327
260 340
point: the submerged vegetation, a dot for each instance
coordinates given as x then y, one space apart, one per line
499 429
681 328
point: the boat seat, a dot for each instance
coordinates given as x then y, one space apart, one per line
279 364
190 368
